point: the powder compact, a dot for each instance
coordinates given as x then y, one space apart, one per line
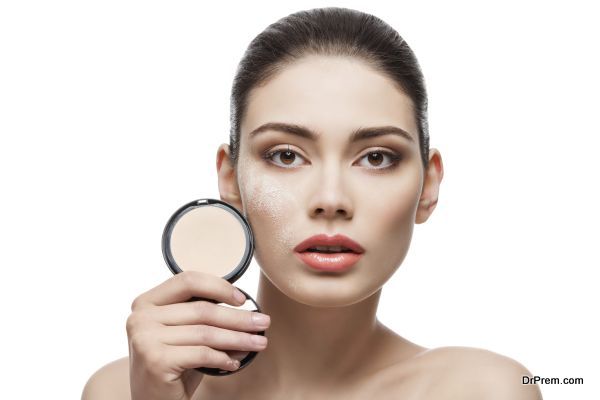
211 236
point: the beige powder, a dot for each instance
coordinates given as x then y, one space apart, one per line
208 239
273 201
269 197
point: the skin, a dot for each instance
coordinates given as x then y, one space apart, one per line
324 340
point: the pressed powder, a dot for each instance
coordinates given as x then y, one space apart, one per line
208 239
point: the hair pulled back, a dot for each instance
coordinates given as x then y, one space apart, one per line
329 31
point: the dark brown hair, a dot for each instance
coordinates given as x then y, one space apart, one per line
329 31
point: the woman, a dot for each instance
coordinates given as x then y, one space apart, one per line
329 137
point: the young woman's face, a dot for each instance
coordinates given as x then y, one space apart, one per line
367 190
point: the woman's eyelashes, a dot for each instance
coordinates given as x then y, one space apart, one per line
288 155
374 159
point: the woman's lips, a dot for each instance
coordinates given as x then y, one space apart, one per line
328 261
332 260
325 240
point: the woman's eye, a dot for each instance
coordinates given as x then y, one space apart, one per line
376 158
285 157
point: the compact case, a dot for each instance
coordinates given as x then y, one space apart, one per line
197 233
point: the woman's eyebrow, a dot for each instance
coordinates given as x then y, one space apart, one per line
358 134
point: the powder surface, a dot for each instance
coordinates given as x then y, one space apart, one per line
208 239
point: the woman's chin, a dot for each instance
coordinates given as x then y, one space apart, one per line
324 290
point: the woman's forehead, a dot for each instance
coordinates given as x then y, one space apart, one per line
329 93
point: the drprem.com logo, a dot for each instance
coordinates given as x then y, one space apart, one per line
532 380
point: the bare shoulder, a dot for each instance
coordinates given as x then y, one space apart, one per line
109 382
474 373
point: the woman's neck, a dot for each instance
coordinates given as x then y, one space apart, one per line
313 344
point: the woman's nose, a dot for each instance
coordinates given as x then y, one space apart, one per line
330 197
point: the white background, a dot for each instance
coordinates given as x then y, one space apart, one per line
110 117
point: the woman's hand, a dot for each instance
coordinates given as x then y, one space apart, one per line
169 336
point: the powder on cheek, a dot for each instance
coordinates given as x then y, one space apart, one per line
268 200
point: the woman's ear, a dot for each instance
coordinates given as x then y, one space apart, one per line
228 185
431 186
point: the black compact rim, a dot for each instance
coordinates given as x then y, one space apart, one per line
242 266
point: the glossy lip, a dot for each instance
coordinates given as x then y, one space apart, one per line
332 262
324 240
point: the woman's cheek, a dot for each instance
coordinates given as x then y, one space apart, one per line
394 210
268 206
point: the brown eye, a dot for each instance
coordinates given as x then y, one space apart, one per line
287 157
375 158
284 158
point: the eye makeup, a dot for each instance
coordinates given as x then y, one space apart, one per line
393 156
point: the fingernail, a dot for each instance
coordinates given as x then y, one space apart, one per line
260 340
260 320
239 296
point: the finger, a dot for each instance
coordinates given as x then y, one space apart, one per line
185 285
187 357
211 336
206 313
237 355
